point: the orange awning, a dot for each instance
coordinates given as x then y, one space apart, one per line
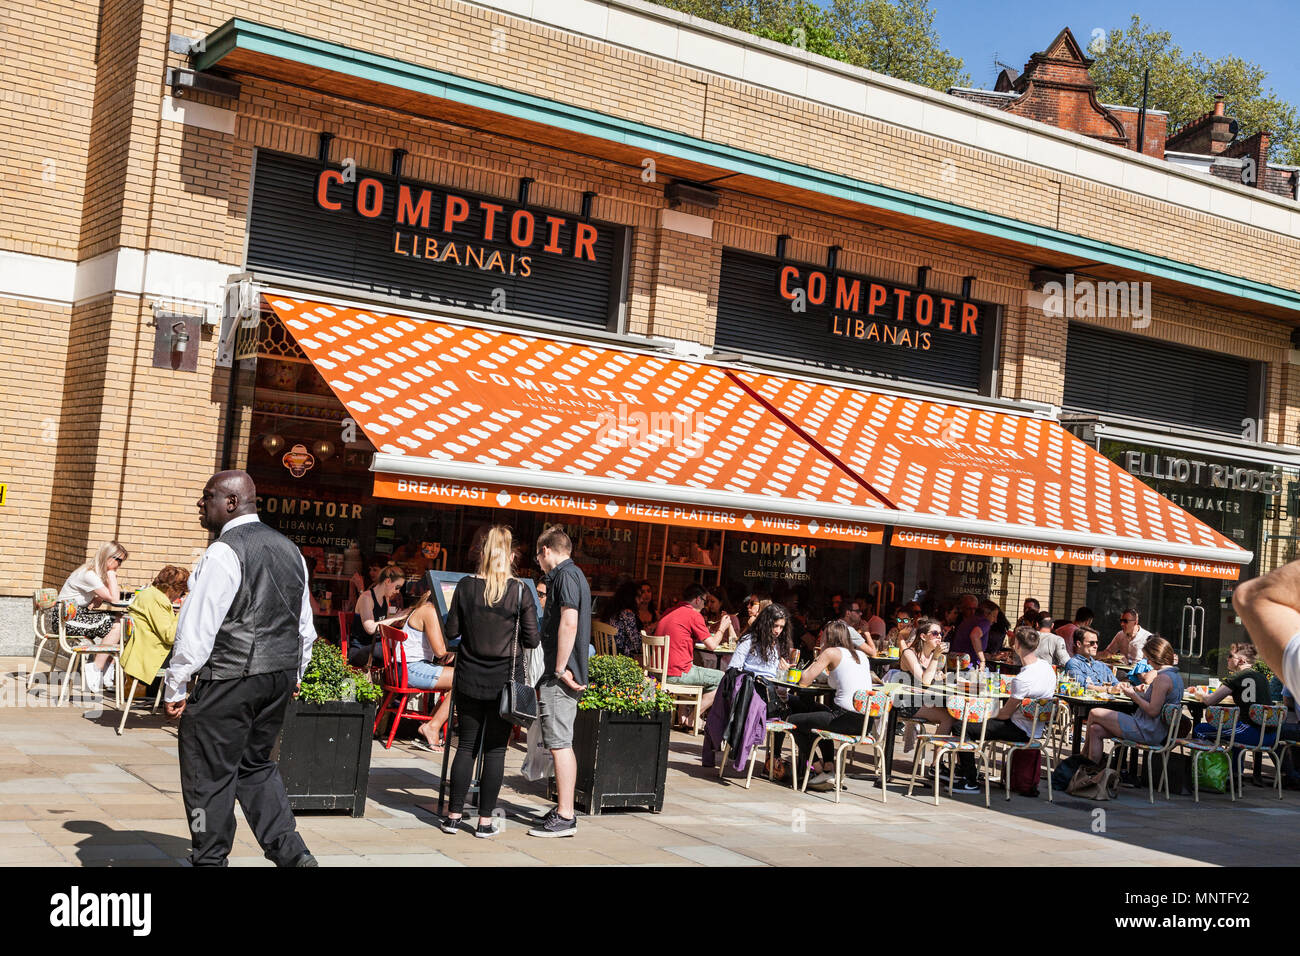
979 481
479 416
471 415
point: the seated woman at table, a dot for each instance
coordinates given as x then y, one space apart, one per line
765 647
153 620
428 667
718 617
93 585
921 656
646 614
755 601
898 621
1147 726
374 607
621 614
848 670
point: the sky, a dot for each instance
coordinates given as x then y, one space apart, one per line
1264 32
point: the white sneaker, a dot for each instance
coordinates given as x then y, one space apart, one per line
92 679
110 677
822 780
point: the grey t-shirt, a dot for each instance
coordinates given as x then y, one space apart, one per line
567 588
1051 648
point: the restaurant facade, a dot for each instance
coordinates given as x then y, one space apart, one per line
730 312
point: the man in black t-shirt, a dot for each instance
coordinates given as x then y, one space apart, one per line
566 637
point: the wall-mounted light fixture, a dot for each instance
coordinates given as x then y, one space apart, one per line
833 258
922 275
175 344
525 183
967 286
781 241
587 198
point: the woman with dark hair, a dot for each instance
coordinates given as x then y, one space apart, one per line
765 646
718 617
848 670
755 601
646 615
620 614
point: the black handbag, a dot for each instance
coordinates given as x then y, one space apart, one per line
518 702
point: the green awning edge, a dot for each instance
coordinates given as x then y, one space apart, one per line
237 34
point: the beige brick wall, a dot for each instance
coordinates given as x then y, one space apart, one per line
33 341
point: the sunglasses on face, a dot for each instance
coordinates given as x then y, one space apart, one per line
1089 643
1127 620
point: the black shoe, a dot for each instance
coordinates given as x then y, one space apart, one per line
486 830
305 860
555 825
967 786
448 825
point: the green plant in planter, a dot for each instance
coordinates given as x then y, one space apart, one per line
618 685
330 677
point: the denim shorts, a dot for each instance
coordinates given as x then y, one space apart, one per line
557 706
422 674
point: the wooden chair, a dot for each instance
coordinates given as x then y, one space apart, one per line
1172 714
1262 715
968 711
1040 713
871 705
604 637
395 684
42 601
654 658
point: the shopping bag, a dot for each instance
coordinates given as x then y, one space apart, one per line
538 762
1026 767
1212 772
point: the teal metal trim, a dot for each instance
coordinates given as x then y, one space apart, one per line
239 34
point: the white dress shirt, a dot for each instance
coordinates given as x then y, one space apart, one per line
213 586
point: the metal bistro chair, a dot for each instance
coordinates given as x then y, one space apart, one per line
42 601
1225 734
967 710
654 658
870 704
77 654
603 636
1262 715
1172 715
770 730
135 682
1041 713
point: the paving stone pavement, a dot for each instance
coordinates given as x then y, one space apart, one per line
72 792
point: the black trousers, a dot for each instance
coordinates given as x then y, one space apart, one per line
227 733
480 722
996 730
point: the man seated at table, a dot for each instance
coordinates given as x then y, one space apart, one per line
1130 638
852 618
1034 682
1084 666
684 626
1051 646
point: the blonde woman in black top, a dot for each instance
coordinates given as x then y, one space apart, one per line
485 610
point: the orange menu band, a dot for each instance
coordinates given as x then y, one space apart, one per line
485 495
1098 558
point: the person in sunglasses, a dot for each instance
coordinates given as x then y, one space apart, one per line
1130 638
1084 666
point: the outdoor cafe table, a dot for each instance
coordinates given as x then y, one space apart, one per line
1080 706
909 695
718 659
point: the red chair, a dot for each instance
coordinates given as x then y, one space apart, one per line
393 680
345 628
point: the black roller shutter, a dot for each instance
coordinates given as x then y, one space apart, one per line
754 320
290 235
1136 377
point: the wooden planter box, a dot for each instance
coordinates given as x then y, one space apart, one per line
324 755
622 760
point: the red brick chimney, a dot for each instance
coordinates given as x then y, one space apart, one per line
1207 135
